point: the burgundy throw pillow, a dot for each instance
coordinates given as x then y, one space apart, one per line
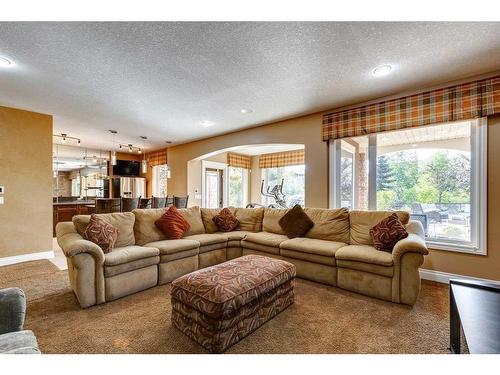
172 224
387 233
295 223
102 233
225 220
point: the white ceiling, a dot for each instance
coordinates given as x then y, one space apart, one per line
253 150
161 79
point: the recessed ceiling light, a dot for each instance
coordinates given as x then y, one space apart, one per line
246 110
207 123
5 63
382 70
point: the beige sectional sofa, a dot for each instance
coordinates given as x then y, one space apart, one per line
336 251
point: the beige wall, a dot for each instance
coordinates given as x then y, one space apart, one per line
307 130
26 173
304 130
255 181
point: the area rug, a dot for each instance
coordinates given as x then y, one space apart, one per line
323 319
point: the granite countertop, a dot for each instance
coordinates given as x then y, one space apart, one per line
73 202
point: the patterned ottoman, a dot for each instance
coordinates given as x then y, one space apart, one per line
218 306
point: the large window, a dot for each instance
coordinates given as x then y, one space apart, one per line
437 173
293 177
238 187
159 178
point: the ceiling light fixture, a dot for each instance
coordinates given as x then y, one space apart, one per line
207 123
382 70
113 151
5 63
144 163
64 138
246 110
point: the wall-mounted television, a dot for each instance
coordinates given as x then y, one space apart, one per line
126 168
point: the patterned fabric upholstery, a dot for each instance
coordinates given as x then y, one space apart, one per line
173 224
101 233
387 233
218 306
225 220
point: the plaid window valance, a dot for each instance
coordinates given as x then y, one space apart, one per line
238 160
282 159
157 157
461 102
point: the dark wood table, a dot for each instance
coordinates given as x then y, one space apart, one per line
475 307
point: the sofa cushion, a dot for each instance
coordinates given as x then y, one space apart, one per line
250 218
387 233
145 229
295 223
123 221
127 254
365 254
172 224
174 246
225 220
235 235
266 239
193 217
331 225
362 221
312 246
207 214
270 221
19 342
118 269
206 239
101 233
387 271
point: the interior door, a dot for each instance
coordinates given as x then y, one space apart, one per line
214 187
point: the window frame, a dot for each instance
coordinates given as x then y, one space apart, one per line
478 189
155 176
244 182
266 201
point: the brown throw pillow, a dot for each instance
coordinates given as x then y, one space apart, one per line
101 233
225 220
387 233
295 223
172 224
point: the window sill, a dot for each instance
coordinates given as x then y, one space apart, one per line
457 248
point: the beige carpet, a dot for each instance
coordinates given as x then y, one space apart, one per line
323 320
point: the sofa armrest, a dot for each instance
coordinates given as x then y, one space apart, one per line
12 310
73 244
411 244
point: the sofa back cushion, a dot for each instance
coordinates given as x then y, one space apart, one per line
250 218
270 222
362 221
330 225
123 221
207 214
193 217
145 229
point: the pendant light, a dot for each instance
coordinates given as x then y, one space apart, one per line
113 152
144 163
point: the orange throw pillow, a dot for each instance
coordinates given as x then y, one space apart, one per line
172 224
101 233
225 220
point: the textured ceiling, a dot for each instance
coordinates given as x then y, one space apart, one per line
161 79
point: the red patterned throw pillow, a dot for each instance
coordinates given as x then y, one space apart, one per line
172 224
225 220
387 233
101 233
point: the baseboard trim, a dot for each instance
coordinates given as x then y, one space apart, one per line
444 277
26 258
